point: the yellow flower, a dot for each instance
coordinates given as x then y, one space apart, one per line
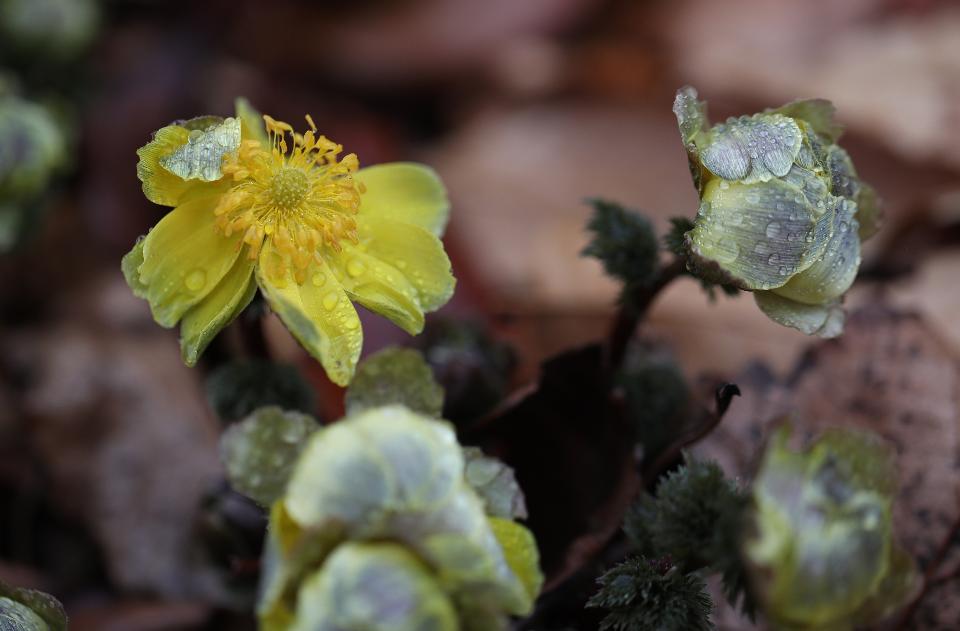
286 212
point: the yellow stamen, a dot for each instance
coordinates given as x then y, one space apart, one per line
301 196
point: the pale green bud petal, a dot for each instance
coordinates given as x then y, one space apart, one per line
752 148
383 461
290 555
869 211
15 616
819 113
375 587
201 158
832 274
24 609
843 176
495 483
691 114
759 234
821 320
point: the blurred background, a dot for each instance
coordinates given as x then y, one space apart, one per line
109 475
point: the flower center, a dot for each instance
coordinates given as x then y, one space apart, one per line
289 186
301 196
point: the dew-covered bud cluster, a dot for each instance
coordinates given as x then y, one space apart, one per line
380 527
823 554
782 211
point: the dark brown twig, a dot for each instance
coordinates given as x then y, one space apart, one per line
633 310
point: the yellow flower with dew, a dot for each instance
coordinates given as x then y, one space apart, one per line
260 205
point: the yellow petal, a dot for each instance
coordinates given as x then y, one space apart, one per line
160 185
520 549
202 322
379 287
130 265
416 253
321 318
184 258
405 191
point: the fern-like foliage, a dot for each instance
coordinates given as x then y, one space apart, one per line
650 595
696 520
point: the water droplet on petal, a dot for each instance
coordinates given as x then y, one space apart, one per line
196 280
727 251
773 229
773 259
356 267
762 247
330 300
319 279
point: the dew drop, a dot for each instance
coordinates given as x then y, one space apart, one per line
196 280
773 259
356 267
352 323
330 300
402 264
762 247
782 271
727 251
844 227
773 229
724 185
319 279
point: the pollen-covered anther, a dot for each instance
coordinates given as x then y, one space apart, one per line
302 195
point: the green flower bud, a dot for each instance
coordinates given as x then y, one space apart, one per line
782 211
32 148
823 553
49 28
389 474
